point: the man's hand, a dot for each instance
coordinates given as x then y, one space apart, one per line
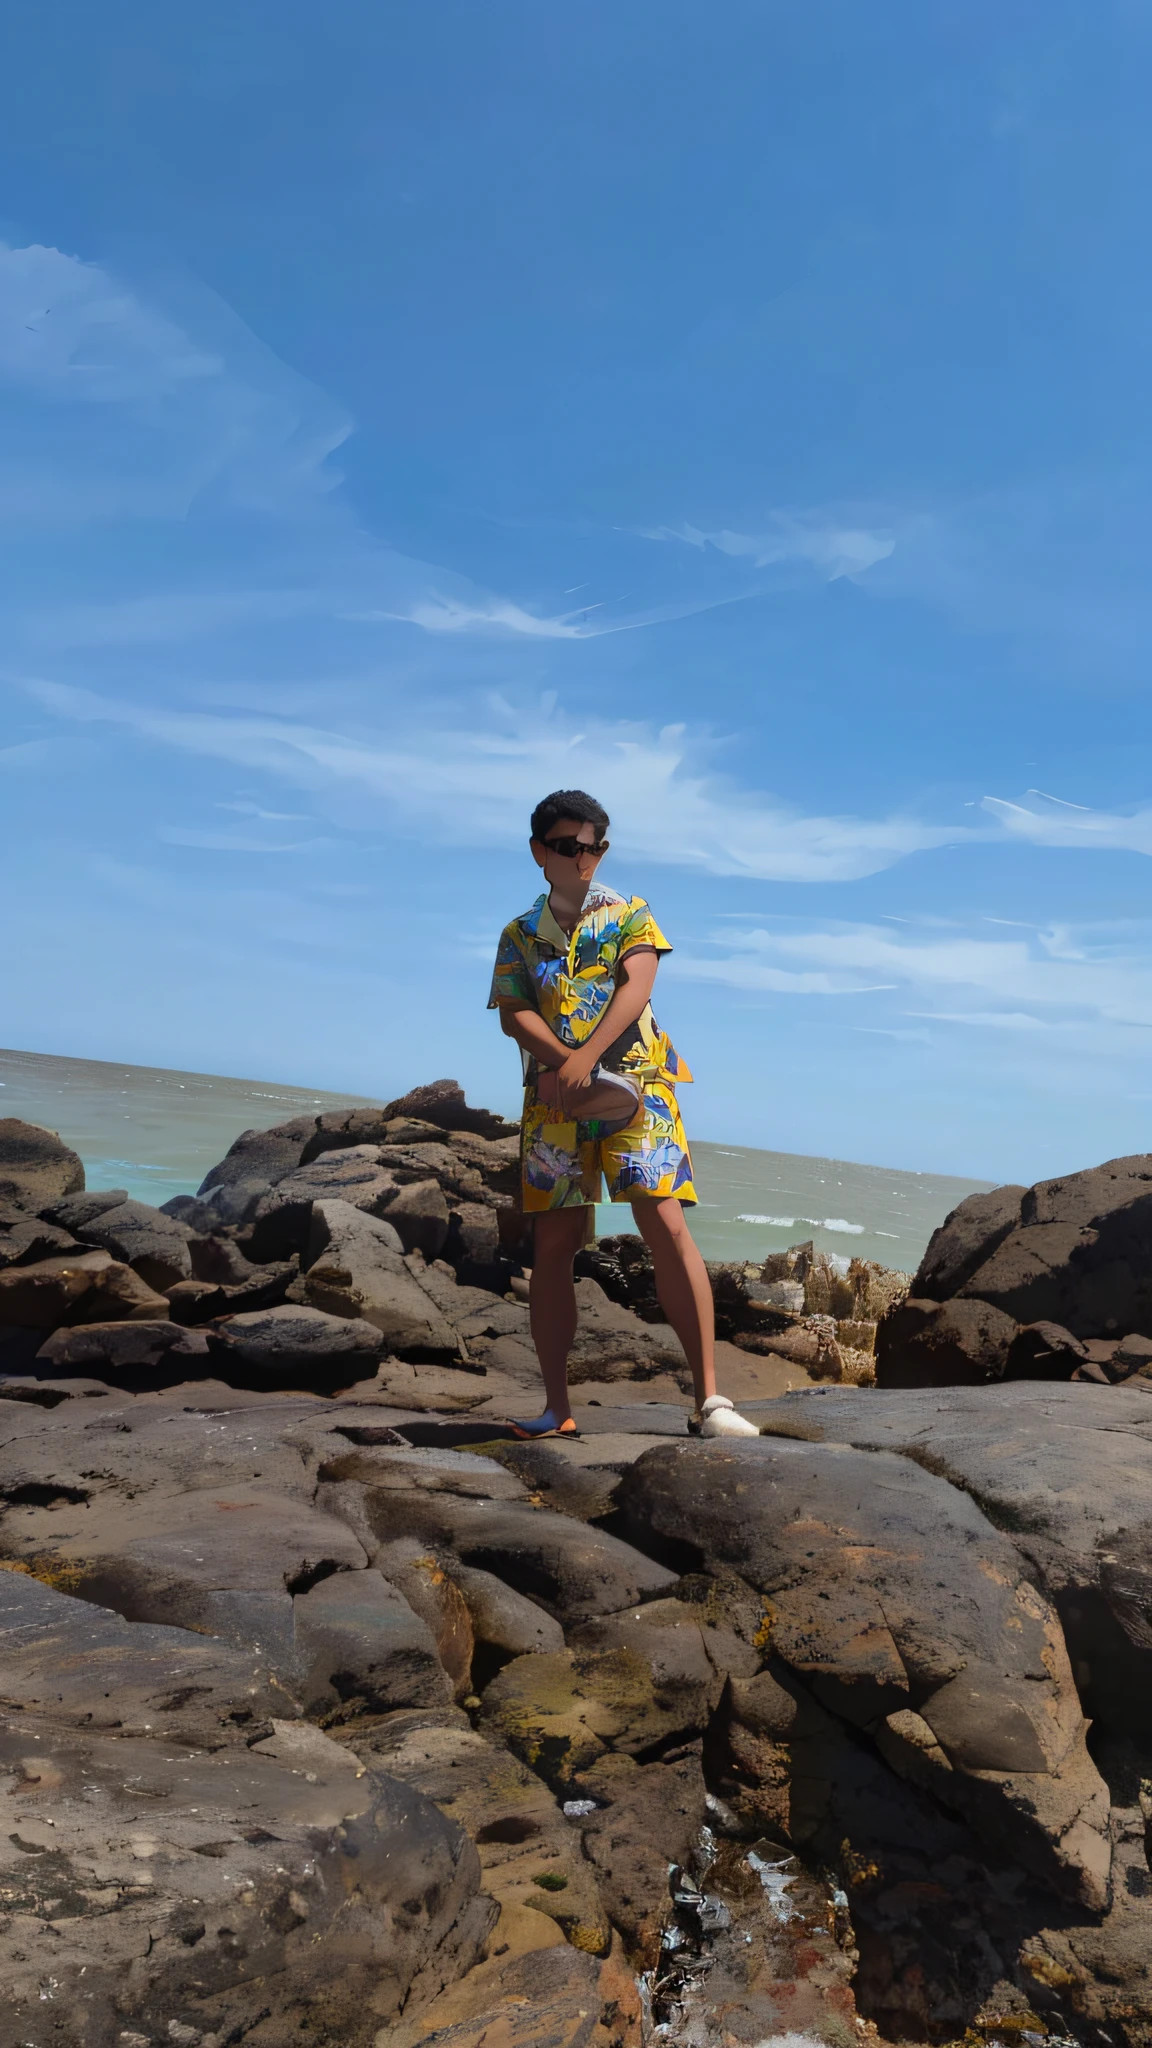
560 1089
576 1070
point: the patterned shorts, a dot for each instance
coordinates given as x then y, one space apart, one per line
562 1162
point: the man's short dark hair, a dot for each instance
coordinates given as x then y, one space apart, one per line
568 803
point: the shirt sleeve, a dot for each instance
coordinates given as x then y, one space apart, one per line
641 929
511 981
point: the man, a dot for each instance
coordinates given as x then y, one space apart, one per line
573 984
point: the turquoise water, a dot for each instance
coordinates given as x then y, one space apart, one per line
156 1132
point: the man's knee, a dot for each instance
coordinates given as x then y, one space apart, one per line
557 1238
662 1220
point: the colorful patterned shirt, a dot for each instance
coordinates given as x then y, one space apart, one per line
571 980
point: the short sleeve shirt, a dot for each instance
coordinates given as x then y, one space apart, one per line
571 980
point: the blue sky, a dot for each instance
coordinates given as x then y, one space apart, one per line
741 411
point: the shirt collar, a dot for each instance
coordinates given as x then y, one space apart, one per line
551 932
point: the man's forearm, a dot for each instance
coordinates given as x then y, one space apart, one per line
529 1030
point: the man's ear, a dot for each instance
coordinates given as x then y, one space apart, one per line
538 853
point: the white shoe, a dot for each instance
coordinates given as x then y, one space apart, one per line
718 1417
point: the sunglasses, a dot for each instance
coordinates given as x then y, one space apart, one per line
571 849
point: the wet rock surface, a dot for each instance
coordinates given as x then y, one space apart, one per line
330 1712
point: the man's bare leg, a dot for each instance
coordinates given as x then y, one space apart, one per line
682 1285
559 1234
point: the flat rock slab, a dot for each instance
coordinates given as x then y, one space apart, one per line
634 1418
172 1558
89 1668
45 1392
136 1447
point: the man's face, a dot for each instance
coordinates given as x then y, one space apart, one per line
580 863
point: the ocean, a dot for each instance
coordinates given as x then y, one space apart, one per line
156 1132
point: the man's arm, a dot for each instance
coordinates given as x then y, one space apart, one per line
573 1065
633 993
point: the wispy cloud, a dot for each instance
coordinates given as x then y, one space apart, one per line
823 543
472 780
1046 979
1051 821
439 613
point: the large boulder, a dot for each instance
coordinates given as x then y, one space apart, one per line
36 1167
1066 1472
283 1215
1076 1252
261 1156
203 1897
419 1215
903 1611
355 1267
967 1236
74 1211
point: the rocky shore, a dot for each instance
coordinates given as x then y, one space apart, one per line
332 1714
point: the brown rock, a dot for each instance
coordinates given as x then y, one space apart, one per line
505 1807
108 1349
88 1287
1081 1255
886 1585
443 1103
355 1267
419 1215
154 1245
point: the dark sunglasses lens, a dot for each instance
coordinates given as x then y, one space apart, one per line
569 848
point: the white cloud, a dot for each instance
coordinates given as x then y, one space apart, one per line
472 781
1105 979
823 543
1050 821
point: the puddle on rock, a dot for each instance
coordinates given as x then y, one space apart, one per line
755 1950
